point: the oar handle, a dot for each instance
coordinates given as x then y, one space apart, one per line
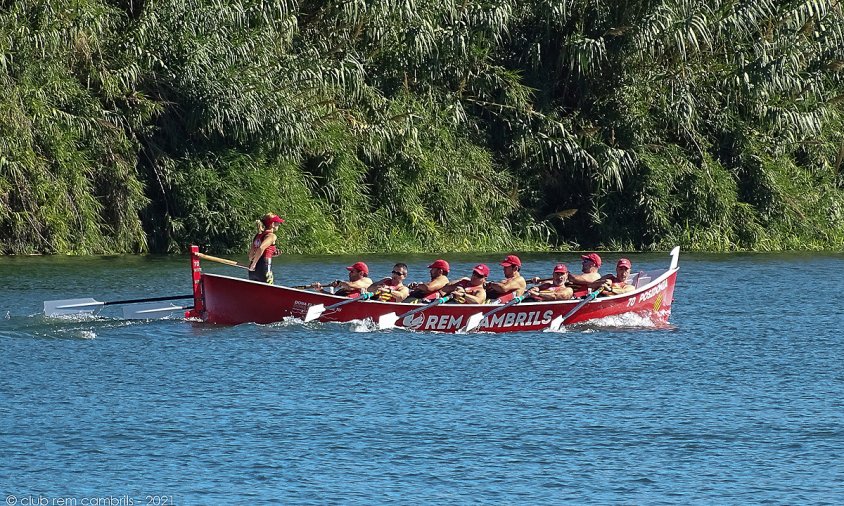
364 296
149 299
426 306
589 297
222 261
515 300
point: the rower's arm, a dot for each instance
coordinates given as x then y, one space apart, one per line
432 286
516 283
378 284
564 294
400 293
450 287
598 283
360 284
478 297
617 290
259 251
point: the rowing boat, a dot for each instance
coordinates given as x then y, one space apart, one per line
228 300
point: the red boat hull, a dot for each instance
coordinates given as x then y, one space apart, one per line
231 301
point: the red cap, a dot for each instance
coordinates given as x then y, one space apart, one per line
561 268
624 263
481 269
511 260
593 257
359 266
270 218
440 264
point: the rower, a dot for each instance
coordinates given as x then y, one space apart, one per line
263 249
556 289
580 283
618 283
391 289
426 292
512 285
358 281
469 290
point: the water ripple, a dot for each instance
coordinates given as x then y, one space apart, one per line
738 402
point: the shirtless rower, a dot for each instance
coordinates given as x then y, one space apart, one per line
512 285
555 289
580 283
358 281
430 290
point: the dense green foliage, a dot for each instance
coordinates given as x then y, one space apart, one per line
421 125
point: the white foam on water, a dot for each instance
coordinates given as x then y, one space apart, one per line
366 325
561 330
627 321
86 334
623 320
287 321
76 317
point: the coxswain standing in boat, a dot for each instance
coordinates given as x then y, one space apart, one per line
358 281
513 284
469 290
581 283
430 290
263 249
391 289
556 289
618 283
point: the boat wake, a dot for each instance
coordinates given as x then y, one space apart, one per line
622 321
365 325
75 326
287 321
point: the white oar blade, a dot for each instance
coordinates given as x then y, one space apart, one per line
473 322
314 312
556 324
70 306
149 311
387 321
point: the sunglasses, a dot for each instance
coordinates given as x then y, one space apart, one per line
397 273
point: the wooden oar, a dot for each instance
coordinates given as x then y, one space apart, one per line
222 261
388 321
557 322
89 305
476 319
316 311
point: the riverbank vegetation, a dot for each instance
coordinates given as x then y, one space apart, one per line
421 126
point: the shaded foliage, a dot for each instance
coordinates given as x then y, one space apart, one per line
421 125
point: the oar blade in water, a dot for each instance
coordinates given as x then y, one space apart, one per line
70 306
556 323
473 322
387 321
150 311
314 312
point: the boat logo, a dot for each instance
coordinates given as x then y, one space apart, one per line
413 321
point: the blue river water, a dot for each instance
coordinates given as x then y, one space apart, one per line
740 401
